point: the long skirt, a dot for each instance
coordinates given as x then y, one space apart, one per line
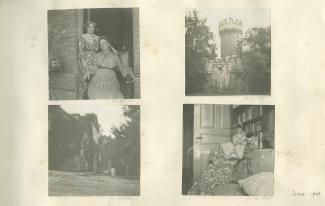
104 85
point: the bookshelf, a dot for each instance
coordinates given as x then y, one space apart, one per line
256 120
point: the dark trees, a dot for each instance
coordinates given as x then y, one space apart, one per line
198 46
255 52
126 142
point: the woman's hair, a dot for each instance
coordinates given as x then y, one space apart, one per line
105 38
87 24
238 129
240 126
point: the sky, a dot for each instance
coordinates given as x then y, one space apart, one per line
108 115
255 17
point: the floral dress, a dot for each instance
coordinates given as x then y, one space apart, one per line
219 172
88 46
220 168
104 83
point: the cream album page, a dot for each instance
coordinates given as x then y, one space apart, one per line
140 102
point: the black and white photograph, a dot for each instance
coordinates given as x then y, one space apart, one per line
94 54
228 150
93 150
227 52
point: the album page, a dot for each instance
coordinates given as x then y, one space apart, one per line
162 102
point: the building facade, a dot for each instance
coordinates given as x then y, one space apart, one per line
73 139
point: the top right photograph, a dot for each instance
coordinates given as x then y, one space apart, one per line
227 52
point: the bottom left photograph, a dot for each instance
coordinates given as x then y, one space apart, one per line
93 150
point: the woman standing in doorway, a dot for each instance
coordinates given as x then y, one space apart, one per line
104 83
88 46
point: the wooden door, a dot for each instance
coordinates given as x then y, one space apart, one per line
63 37
211 126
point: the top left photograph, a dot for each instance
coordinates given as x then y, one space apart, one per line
94 54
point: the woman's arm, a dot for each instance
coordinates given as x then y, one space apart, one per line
97 42
125 70
92 69
94 65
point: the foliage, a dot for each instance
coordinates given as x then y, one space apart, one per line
65 135
126 144
255 52
198 38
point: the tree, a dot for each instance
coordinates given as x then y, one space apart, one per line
255 52
127 140
198 38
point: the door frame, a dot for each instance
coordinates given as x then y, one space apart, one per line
135 48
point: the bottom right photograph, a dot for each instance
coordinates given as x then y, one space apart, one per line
228 150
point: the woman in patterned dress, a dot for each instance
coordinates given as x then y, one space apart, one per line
88 46
104 83
220 168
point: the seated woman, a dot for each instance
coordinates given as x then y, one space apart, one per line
104 83
221 162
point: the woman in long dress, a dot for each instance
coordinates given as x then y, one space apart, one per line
104 83
88 46
220 168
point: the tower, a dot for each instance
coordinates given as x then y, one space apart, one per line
230 31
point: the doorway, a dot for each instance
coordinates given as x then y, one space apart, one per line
116 25
188 123
204 127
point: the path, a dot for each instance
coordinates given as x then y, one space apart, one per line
74 184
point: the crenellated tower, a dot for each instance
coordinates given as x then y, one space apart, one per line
230 31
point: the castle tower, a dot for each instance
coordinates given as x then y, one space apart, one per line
230 31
